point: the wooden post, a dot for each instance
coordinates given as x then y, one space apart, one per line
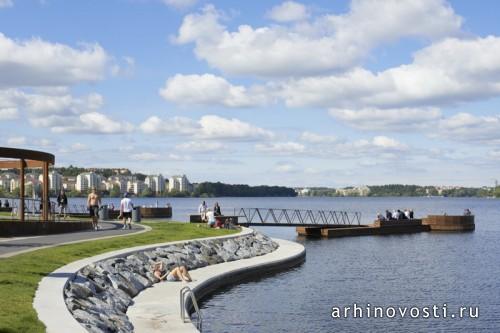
45 192
21 191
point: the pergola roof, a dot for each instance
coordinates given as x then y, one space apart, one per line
32 158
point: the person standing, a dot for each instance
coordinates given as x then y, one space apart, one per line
217 209
62 202
93 203
202 210
126 207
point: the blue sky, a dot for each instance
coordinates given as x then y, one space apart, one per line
316 93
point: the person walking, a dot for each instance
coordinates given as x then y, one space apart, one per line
62 202
93 203
126 207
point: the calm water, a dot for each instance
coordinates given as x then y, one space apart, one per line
459 269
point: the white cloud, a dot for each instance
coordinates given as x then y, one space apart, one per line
63 112
281 148
62 104
43 142
145 156
217 127
285 168
388 119
208 127
17 140
379 146
94 122
494 154
388 143
470 128
176 125
8 113
201 147
74 148
125 67
327 43
180 4
208 89
440 74
177 157
317 138
288 11
36 62
6 3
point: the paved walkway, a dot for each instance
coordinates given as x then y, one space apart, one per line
49 298
13 246
157 309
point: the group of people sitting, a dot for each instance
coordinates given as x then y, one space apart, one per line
213 217
396 214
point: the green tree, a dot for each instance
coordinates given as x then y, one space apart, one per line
115 191
146 192
15 192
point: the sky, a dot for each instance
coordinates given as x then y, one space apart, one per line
311 93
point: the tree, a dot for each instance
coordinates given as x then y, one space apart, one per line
115 191
140 176
146 192
15 192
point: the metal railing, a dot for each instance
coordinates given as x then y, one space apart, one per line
32 208
279 216
186 291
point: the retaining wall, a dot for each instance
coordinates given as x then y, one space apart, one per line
97 294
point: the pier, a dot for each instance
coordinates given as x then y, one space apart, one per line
334 223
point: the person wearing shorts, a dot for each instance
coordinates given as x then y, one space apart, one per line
179 273
126 207
93 202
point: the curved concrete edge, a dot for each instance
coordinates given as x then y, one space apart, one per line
49 297
157 309
144 228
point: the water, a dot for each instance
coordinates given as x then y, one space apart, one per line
459 269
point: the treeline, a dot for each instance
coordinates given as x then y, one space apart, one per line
323 192
73 171
208 189
398 190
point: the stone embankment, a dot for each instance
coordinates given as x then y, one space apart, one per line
100 293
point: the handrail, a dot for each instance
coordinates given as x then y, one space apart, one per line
183 293
32 207
280 216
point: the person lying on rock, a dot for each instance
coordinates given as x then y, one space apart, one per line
179 273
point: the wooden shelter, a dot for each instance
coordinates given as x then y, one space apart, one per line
21 159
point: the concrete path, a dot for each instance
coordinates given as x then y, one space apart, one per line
157 309
12 246
49 300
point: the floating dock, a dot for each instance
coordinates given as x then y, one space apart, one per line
430 223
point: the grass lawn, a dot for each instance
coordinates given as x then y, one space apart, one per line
20 275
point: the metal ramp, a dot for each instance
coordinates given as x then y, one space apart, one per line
296 217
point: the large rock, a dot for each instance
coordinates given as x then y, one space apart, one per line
99 294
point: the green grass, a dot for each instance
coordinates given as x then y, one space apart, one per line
20 275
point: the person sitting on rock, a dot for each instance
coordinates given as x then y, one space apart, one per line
176 274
